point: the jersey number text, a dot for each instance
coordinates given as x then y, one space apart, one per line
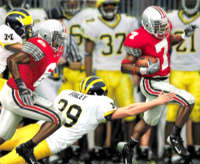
72 112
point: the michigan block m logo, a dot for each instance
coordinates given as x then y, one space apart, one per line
9 37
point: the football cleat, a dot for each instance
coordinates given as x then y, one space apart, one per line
27 153
188 161
126 151
167 156
177 144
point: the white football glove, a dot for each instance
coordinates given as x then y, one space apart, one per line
152 68
188 31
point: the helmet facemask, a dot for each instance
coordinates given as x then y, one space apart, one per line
25 31
161 29
190 7
71 7
57 39
53 32
109 10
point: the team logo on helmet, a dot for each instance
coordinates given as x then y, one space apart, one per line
21 22
93 85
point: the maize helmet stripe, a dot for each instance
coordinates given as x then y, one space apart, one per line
92 83
83 84
26 18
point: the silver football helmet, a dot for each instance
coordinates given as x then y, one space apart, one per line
154 20
190 7
53 31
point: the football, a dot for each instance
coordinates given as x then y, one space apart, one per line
142 61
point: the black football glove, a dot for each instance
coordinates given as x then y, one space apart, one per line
190 30
25 93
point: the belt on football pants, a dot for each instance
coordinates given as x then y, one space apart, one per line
157 78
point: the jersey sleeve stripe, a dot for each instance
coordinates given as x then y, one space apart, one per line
33 50
108 115
5 44
89 38
91 84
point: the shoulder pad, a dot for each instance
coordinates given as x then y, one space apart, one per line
33 50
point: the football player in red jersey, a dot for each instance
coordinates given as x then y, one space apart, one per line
153 38
28 67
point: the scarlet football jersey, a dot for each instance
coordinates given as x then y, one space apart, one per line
34 72
152 46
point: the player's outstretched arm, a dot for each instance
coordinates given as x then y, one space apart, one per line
16 47
137 108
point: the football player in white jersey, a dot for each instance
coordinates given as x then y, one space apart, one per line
104 52
185 67
72 14
81 113
18 26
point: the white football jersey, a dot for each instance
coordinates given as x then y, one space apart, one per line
3 13
7 36
185 55
108 38
81 114
73 26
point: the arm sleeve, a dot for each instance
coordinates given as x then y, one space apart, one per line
33 50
